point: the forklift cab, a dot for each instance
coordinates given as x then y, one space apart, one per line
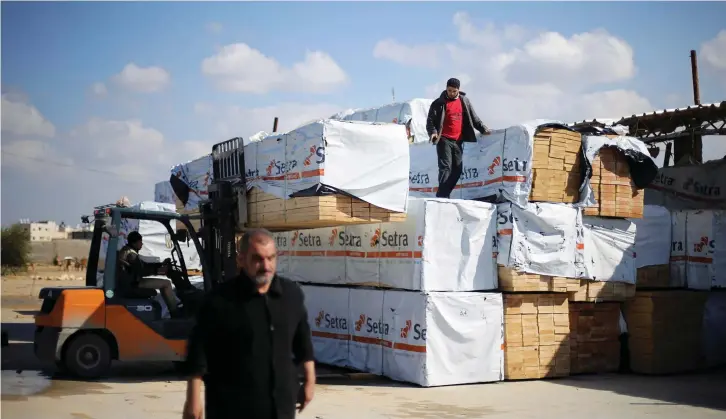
82 329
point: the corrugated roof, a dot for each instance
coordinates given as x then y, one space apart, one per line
718 107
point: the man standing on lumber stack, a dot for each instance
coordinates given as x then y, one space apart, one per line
450 123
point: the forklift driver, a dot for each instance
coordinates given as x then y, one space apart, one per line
136 271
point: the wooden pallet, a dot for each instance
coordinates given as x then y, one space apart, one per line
665 330
613 188
594 337
655 276
512 281
268 211
602 291
556 165
536 336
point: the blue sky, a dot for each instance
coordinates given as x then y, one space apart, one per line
52 53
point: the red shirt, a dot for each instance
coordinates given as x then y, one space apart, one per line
452 119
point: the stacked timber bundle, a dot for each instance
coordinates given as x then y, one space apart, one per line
602 291
536 336
556 165
613 188
512 281
328 173
594 337
269 211
665 330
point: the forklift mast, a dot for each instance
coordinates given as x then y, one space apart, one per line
225 212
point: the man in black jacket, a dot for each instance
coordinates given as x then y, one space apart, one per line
450 123
251 336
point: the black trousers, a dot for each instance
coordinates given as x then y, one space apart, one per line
450 156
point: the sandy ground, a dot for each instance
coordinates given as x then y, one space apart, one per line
30 391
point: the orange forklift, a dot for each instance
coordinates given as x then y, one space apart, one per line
83 329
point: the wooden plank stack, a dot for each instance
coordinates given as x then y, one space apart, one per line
614 191
594 337
268 211
536 336
602 291
512 281
556 166
665 330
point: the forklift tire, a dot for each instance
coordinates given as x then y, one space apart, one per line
88 356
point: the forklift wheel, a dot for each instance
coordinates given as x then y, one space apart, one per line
88 356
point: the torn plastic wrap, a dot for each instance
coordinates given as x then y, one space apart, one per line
642 167
542 238
189 181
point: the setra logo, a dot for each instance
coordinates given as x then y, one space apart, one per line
319 318
496 162
359 323
420 241
333 234
704 242
419 333
294 237
306 240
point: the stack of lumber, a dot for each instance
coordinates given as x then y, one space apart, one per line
655 276
602 291
556 162
536 336
612 186
594 337
665 330
268 211
512 281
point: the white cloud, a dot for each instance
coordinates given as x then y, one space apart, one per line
713 51
241 68
214 27
23 119
417 55
513 74
99 89
236 121
142 79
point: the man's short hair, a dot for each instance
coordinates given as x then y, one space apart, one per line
133 237
453 83
252 234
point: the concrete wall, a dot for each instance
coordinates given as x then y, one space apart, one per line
44 252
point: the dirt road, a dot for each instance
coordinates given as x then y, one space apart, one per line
142 391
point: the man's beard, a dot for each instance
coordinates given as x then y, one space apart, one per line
261 278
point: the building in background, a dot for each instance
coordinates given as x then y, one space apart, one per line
46 231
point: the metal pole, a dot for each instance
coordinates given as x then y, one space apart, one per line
274 125
694 75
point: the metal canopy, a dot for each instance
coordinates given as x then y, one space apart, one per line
670 124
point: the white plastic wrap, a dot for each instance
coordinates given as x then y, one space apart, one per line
366 160
653 236
609 249
164 193
698 250
329 323
412 114
157 241
444 245
431 339
542 238
197 175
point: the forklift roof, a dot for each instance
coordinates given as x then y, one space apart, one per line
129 212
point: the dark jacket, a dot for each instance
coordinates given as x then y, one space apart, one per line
471 120
248 348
